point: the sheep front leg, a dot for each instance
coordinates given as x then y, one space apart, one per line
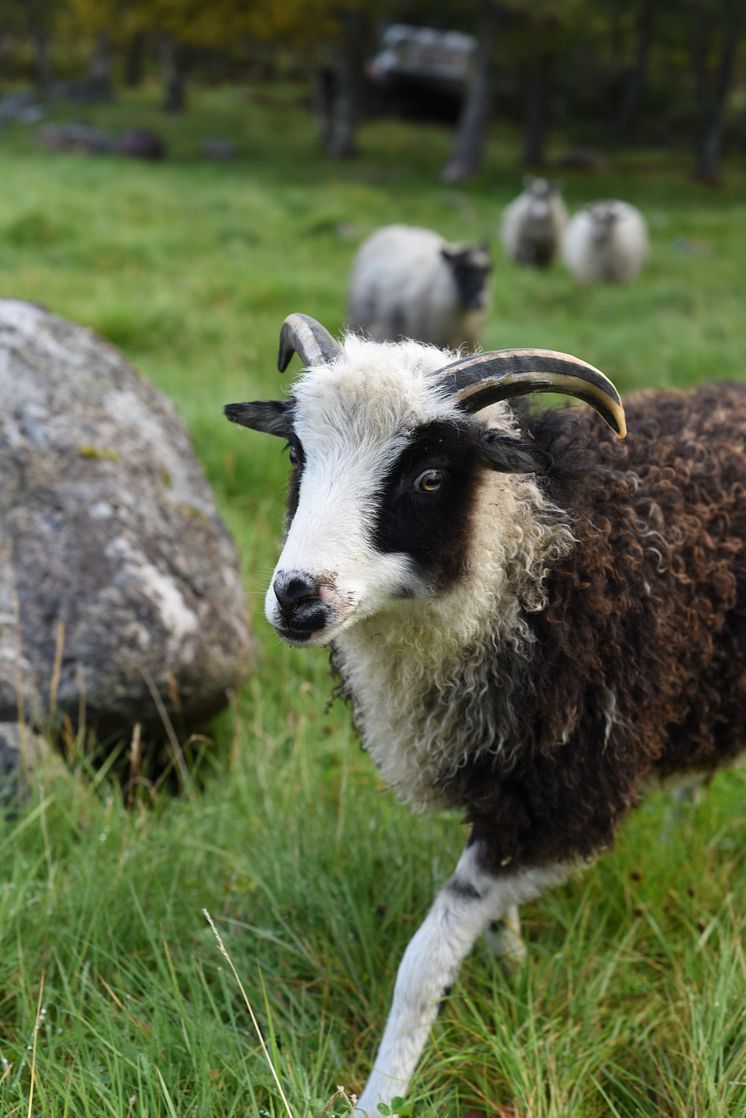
461 912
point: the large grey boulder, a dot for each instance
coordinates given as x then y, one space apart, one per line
117 575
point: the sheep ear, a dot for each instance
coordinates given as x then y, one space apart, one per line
508 455
270 416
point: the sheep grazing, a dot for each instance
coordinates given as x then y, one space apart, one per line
532 224
532 618
409 282
605 242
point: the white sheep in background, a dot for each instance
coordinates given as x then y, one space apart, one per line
605 242
532 224
408 282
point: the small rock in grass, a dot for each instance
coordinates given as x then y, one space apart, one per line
141 143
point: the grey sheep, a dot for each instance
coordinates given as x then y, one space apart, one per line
532 225
409 282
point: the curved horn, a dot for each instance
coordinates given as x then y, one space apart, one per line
305 336
474 382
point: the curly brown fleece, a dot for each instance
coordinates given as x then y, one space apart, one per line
639 663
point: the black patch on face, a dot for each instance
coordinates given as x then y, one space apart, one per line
298 462
433 529
470 277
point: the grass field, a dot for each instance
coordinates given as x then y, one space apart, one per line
114 998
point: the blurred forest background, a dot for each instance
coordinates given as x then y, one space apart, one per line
660 72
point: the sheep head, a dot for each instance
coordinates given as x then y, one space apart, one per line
470 267
605 216
391 446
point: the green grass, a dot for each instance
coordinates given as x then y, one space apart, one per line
632 1001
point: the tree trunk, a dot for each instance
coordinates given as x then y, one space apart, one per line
42 59
339 87
536 116
635 85
99 67
701 44
471 130
134 60
173 70
709 140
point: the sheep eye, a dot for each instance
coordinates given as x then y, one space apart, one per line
295 454
429 481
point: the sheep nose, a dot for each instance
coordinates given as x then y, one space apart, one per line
290 589
298 598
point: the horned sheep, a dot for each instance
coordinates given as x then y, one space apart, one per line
532 617
605 242
533 223
409 282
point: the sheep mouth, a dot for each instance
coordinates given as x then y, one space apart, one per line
290 636
300 638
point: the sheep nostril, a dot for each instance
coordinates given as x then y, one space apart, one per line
292 590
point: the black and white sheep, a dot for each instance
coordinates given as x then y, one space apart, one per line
409 282
605 242
532 617
533 223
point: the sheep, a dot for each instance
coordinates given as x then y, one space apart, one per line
408 282
605 242
532 617
532 224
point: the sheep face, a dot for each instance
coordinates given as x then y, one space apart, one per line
604 217
398 492
470 267
540 195
386 475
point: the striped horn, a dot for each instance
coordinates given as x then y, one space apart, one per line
475 382
305 336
